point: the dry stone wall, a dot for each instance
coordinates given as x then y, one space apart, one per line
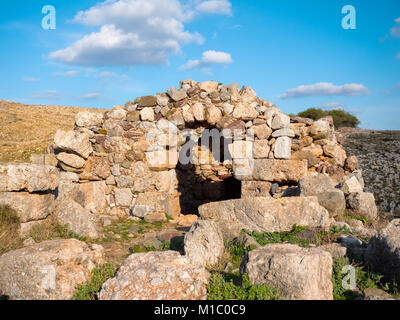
174 151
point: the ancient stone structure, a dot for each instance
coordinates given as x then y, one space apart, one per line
204 142
204 151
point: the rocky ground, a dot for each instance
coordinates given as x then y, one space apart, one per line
378 154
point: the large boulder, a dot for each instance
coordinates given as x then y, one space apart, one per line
204 243
157 276
322 186
28 177
298 273
364 204
383 252
29 206
281 171
50 270
73 142
79 220
265 214
312 185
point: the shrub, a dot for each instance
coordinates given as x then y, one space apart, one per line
364 279
220 288
90 290
9 229
341 118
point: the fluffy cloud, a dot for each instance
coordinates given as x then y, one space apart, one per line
326 89
71 73
208 58
398 56
397 20
134 32
222 7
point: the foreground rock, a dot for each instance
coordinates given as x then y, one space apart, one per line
383 252
204 243
28 177
157 276
298 273
265 214
50 270
29 207
78 219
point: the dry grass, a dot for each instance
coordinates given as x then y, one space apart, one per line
29 129
9 229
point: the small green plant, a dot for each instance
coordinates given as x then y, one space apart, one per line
280 237
168 217
90 290
221 288
364 279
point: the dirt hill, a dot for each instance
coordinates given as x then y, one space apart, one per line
28 129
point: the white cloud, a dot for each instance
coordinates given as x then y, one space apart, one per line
91 96
135 32
398 56
112 75
397 20
222 7
30 79
46 94
326 89
208 58
70 73
395 31
331 106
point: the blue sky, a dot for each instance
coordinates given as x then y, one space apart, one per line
293 53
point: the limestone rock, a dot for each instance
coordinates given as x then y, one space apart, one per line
147 101
298 273
282 148
364 203
204 243
157 276
78 219
29 206
89 119
351 186
280 121
245 112
71 160
73 142
312 185
50 270
351 164
270 170
28 177
176 95
266 214
383 251
255 189
147 114
96 168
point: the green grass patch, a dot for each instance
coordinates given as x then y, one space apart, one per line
364 279
90 290
280 237
221 287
